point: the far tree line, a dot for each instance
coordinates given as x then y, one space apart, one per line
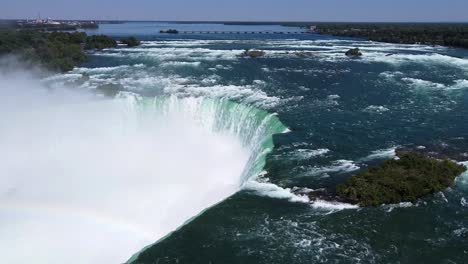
444 34
56 51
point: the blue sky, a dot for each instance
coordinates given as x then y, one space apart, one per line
241 10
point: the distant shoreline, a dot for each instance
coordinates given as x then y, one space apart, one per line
233 22
449 35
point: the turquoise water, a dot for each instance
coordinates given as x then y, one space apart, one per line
343 115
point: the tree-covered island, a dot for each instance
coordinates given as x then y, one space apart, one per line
406 179
56 51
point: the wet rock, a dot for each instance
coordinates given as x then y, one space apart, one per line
304 54
322 194
253 53
354 52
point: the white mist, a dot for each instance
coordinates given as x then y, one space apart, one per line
86 180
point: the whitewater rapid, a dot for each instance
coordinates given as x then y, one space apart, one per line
92 180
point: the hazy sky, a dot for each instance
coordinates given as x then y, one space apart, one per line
241 10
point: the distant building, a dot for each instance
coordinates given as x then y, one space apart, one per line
312 29
49 21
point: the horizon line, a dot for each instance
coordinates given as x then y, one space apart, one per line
236 21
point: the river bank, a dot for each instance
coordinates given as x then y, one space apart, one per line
443 34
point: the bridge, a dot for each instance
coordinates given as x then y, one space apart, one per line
243 32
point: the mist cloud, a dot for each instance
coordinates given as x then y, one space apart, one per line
85 179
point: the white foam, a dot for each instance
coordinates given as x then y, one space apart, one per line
425 84
106 69
339 166
207 86
381 154
223 67
379 109
391 207
418 83
333 206
460 232
248 94
309 153
173 54
463 202
304 243
459 84
390 75
267 189
181 63
431 59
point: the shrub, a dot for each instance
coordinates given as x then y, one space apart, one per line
130 41
403 180
100 42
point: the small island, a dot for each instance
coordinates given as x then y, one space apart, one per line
169 31
406 179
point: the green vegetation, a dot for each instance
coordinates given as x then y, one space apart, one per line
403 180
455 35
130 41
100 42
56 51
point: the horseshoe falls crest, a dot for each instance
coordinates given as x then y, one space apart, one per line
128 170
182 151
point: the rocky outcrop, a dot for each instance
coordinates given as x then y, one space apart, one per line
356 52
253 53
